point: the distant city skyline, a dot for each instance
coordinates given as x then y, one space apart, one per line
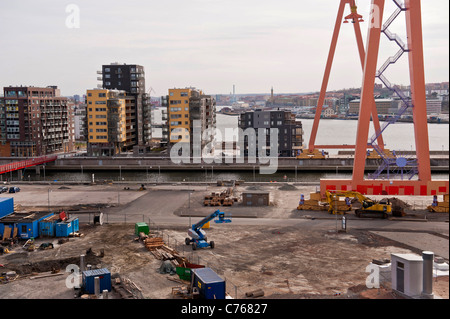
208 44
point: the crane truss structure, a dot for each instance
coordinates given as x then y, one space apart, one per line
395 175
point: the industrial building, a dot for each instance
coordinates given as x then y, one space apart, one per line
35 121
290 132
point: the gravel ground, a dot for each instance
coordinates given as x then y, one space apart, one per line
298 258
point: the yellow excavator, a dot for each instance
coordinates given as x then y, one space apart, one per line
369 207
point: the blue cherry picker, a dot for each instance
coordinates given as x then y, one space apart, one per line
198 235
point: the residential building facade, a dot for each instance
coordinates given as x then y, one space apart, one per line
80 123
185 108
290 131
131 79
108 122
384 106
434 106
35 121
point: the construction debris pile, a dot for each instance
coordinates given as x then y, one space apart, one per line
163 252
288 187
224 198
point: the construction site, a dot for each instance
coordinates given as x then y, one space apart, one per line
276 251
384 235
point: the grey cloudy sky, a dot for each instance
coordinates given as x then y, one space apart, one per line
208 44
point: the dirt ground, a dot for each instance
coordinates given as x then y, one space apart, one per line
284 259
283 262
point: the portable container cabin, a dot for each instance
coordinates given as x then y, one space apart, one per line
23 225
88 279
210 285
141 228
67 227
47 226
6 206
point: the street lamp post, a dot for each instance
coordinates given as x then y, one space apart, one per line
48 191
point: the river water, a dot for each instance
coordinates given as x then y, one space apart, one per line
399 136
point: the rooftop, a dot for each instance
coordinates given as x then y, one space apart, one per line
24 217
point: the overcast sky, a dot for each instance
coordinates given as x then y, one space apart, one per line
208 44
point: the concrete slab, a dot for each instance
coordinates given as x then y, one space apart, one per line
422 241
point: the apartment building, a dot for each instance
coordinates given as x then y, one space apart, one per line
184 107
131 79
290 131
434 106
35 121
109 122
80 121
384 106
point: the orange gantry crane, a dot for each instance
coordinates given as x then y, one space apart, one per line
416 181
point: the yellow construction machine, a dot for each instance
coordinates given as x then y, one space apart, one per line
439 207
369 207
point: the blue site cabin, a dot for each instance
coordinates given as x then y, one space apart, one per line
67 227
25 224
6 206
88 280
47 226
209 284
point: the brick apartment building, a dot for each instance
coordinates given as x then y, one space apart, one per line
35 121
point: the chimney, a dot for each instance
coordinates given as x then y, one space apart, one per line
427 289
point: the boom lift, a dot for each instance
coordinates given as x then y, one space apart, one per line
198 235
369 207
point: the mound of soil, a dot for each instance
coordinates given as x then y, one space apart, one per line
288 187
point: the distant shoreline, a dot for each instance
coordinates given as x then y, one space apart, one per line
430 121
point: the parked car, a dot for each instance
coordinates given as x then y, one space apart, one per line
3 189
14 189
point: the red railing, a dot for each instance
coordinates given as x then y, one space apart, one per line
14 166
